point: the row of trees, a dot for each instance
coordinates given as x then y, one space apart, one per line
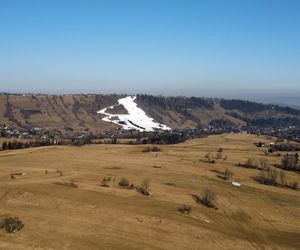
156 139
290 162
288 146
9 145
270 175
253 107
165 138
273 177
178 103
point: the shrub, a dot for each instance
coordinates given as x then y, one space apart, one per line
155 149
105 181
287 146
144 188
68 184
219 155
269 177
11 224
124 183
289 162
294 185
207 198
250 163
282 178
185 209
208 159
147 149
227 174
263 164
151 149
59 172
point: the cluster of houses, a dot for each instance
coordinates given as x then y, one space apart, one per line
291 132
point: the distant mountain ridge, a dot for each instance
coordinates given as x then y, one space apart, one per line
78 112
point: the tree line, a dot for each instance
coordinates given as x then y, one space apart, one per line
10 145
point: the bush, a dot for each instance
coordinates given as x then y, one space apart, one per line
250 163
263 164
147 149
59 172
208 159
105 181
288 146
124 183
227 174
207 198
185 209
11 224
144 188
289 162
68 184
268 177
151 149
155 149
294 185
219 155
282 178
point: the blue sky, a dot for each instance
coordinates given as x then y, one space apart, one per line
170 47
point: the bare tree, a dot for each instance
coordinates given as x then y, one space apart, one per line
144 188
289 162
207 198
263 164
227 174
250 163
282 178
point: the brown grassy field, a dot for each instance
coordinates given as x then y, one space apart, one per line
253 216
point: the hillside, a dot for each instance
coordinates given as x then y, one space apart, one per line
182 112
63 113
86 215
78 113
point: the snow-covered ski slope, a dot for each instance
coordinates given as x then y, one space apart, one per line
136 119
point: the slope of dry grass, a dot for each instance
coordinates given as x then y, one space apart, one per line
95 217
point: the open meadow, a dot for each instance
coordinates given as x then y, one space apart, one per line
64 202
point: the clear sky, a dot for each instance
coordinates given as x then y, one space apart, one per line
170 47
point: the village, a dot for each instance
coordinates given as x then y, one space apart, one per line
47 137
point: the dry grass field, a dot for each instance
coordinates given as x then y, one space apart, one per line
253 216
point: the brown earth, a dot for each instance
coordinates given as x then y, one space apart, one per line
253 216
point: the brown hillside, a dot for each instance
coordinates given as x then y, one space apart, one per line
78 113
85 215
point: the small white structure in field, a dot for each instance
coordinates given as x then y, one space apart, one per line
236 184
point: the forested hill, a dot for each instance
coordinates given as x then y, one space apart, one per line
78 113
189 112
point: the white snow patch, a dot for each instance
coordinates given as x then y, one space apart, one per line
136 119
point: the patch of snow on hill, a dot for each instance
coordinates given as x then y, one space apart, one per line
135 119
